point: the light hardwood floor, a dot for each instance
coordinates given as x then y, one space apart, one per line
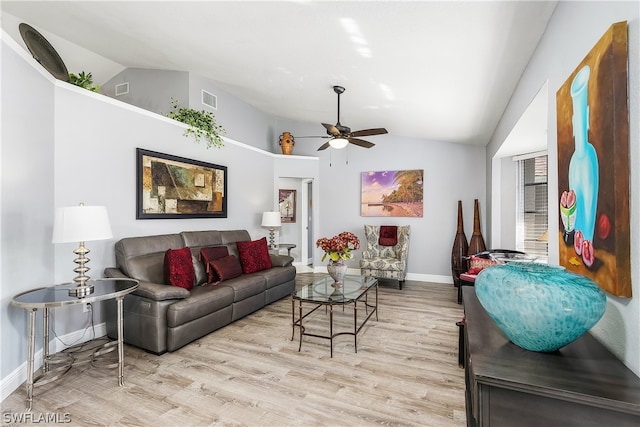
250 373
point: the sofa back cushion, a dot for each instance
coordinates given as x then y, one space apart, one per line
200 239
142 258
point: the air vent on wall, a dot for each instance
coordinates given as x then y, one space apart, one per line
122 89
209 99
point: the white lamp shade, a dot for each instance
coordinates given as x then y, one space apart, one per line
81 224
271 219
338 142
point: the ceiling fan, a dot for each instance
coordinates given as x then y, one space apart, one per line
341 135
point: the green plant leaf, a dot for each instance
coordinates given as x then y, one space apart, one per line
84 81
202 124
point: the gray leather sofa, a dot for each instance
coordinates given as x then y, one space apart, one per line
160 317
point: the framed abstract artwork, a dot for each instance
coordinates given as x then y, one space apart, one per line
392 193
170 187
287 199
593 165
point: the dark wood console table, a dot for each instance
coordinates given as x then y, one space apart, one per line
582 384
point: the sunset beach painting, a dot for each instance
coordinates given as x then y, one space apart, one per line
392 193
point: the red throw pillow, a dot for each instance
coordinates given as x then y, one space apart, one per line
477 264
209 254
254 255
225 268
388 235
178 268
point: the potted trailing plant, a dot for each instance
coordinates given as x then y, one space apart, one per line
84 81
201 124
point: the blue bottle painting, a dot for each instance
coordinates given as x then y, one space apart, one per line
593 165
583 169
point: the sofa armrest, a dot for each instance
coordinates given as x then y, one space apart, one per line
280 260
115 273
153 291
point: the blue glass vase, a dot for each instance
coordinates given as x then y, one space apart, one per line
540 307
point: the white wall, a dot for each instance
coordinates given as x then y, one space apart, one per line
153 90
571 33
150 89
242 121
26 194
95 162
452 172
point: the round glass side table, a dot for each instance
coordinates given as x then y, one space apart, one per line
58 296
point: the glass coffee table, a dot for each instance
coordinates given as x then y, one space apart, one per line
354 290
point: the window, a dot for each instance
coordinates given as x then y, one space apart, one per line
532 209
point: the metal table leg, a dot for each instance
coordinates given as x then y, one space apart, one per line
31 349
331 326
355 325
293 318
301 328
45 340
120 345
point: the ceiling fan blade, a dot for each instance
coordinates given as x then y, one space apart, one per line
361 142
313 136
331 129
324 146
369 132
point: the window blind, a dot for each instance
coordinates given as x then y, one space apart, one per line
532 209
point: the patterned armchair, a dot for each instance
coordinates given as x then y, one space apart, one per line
385 262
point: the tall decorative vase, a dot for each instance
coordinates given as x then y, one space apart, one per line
460 249
337 271
583 167
286 143
476 244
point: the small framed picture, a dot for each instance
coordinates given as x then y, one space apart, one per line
287 200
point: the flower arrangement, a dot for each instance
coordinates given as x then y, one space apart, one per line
339 247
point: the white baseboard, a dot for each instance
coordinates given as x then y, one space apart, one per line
19 375
433 278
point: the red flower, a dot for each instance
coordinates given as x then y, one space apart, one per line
339 247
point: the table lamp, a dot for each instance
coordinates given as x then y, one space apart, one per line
81 224
271 220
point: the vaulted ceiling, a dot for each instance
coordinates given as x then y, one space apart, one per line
438 70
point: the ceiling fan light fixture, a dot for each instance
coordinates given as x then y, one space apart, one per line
338 142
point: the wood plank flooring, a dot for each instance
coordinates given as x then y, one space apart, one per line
250 373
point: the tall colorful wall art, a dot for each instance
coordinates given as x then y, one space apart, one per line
593 165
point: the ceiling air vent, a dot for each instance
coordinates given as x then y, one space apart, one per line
122 89
209 99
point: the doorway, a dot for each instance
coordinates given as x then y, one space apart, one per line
299 231
306 229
